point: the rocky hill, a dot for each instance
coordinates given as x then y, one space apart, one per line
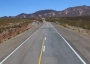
76 11
69 12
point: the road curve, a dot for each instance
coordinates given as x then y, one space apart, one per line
45 46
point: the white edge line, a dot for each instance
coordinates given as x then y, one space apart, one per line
17 48
44 49
71 47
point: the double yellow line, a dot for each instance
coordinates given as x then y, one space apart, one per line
40 58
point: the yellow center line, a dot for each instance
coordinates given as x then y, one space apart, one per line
40 57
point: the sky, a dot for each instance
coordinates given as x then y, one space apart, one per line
15 7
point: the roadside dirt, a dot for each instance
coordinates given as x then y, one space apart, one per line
78 40
12 31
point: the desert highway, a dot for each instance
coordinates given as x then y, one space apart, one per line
45 46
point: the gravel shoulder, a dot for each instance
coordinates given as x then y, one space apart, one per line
79 41
8 46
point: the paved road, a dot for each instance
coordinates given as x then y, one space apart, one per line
45 46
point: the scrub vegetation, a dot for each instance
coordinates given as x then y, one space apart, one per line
83 22
12 27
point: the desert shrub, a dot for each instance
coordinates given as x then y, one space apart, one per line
83 22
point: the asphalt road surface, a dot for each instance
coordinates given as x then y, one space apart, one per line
45 46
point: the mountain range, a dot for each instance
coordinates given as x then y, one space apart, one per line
69 12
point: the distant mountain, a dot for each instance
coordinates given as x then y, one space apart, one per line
45 13
76 11
69 12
